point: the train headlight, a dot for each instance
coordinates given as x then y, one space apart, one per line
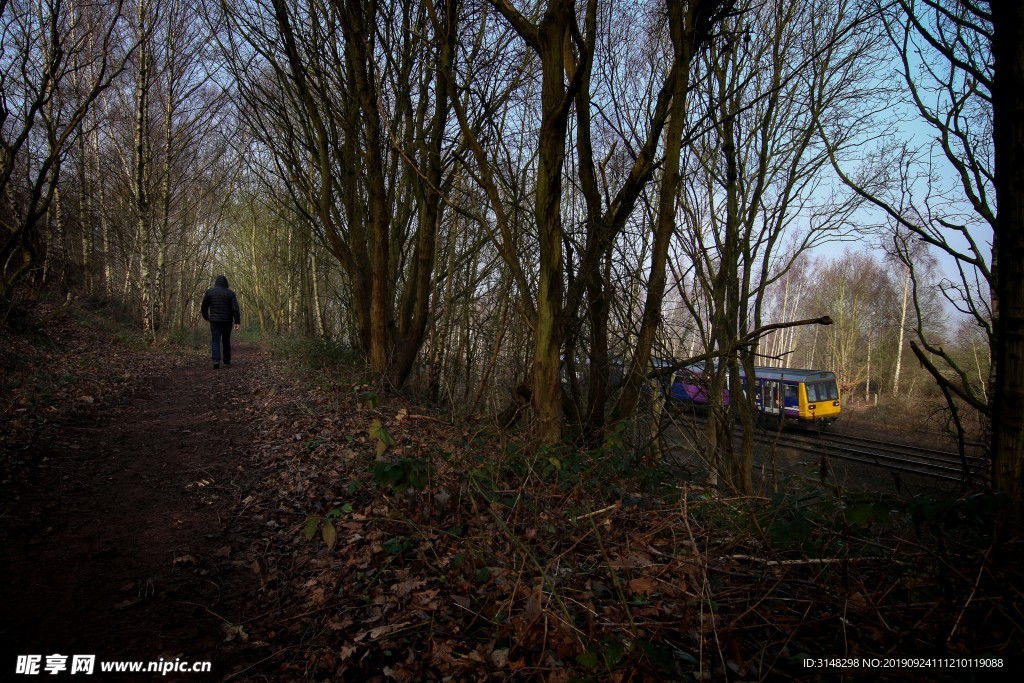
812 406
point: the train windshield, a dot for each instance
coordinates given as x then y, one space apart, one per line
822 391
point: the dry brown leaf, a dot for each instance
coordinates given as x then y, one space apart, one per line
534 605
405 587
380 631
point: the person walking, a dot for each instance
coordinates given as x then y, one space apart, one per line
220 307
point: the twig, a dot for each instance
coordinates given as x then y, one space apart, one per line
614 506
255 664
705 588
789 563
196 604
414 416
974 589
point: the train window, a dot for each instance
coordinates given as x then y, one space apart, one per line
791 392
822 391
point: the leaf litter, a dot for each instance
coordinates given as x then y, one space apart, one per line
377 541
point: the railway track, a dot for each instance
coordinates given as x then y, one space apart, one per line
894 457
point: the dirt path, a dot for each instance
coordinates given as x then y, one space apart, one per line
117 541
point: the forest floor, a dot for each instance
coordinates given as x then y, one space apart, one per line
291 525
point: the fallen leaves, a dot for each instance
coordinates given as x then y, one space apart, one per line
382 542
643 585
414 560
445 564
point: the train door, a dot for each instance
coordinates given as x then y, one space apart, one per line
771 401
792 399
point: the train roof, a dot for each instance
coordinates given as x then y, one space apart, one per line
795 374
762 372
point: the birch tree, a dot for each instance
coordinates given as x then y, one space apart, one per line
41 115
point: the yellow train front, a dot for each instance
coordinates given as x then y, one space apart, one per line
804 397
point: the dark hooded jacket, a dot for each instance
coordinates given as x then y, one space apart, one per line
220 304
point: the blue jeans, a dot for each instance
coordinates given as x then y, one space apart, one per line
221 333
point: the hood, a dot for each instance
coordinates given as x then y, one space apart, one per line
221 281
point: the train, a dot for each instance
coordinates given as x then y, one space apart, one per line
781 395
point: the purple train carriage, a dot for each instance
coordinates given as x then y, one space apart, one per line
788 395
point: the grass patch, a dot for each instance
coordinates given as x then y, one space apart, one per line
314 353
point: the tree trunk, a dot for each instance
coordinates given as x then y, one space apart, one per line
550 40
681 31
314 273
84 212
159 296
1008 133
142 170
101 211
899 343
867 381
415 305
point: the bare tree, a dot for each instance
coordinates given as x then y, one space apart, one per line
759 194
352 99
142 156
963 74
41 114
566 49
1008 137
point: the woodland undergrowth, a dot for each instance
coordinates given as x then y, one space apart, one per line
387 543
411 549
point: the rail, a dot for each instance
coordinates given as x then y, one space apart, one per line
896 457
